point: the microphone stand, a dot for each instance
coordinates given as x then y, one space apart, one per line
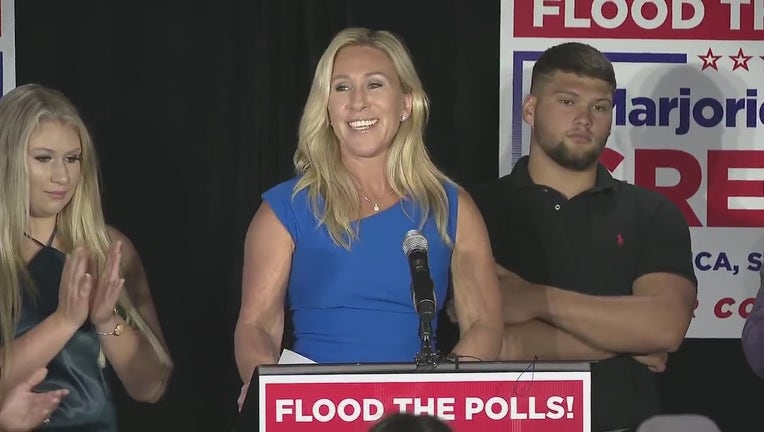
427 358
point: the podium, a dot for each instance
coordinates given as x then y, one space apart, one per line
469 396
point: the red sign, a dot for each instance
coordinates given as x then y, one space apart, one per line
480 401
720 187
640 19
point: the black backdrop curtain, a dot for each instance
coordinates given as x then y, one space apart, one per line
194 110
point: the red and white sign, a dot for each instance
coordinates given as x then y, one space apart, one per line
467 401
640 19
688 121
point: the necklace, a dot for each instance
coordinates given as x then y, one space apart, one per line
374 204
50 240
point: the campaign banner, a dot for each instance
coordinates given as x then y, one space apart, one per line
467 401
687 121
7 45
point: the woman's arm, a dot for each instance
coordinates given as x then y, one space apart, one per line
476 286
142 369
267 262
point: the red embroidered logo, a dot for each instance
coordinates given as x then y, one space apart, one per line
619 239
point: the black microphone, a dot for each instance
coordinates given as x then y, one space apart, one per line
422 287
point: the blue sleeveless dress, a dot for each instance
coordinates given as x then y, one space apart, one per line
355 306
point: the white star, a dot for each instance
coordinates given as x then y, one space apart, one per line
709 60
741 60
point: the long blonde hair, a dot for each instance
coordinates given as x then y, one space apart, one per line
81 222
410 171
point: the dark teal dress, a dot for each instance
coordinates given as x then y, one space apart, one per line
88 407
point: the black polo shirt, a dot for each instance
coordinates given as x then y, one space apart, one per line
599 242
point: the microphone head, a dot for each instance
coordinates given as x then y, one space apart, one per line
414 240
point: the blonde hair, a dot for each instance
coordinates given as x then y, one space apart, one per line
81 222
410 171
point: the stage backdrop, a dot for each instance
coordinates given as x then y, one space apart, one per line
687 121
7 46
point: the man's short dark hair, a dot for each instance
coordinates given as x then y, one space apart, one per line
572 57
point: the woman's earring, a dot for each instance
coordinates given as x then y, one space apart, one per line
403 117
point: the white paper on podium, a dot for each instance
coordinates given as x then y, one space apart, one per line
291 357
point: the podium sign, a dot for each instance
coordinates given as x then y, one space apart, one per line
529 400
